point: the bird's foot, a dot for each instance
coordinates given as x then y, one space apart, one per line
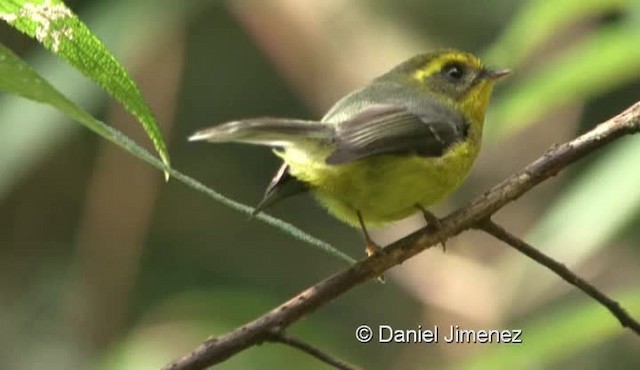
371 248
433 222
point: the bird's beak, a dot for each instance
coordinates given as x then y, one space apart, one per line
496 74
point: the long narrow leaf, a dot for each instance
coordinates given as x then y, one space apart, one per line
57 28
30 133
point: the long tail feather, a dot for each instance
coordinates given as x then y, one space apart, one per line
277 132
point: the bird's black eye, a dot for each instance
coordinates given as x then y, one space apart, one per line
454 71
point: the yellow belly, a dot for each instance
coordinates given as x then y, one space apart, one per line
384 188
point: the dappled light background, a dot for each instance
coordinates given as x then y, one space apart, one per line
103 265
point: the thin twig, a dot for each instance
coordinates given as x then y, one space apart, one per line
281 337
216 350
561 270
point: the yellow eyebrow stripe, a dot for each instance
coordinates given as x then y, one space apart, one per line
436 65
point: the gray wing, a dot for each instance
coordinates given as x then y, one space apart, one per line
388 129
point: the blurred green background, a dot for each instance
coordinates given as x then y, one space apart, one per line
103 265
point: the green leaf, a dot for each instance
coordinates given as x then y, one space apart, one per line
18 78
59 30
29 132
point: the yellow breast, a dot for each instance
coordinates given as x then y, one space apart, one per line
383 188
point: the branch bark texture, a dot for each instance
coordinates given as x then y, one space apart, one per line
558 157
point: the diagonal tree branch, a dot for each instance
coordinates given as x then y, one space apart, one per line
217 349
561 270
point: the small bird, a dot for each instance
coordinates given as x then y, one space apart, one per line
394 147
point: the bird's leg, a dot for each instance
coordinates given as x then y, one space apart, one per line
371 247
434 222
